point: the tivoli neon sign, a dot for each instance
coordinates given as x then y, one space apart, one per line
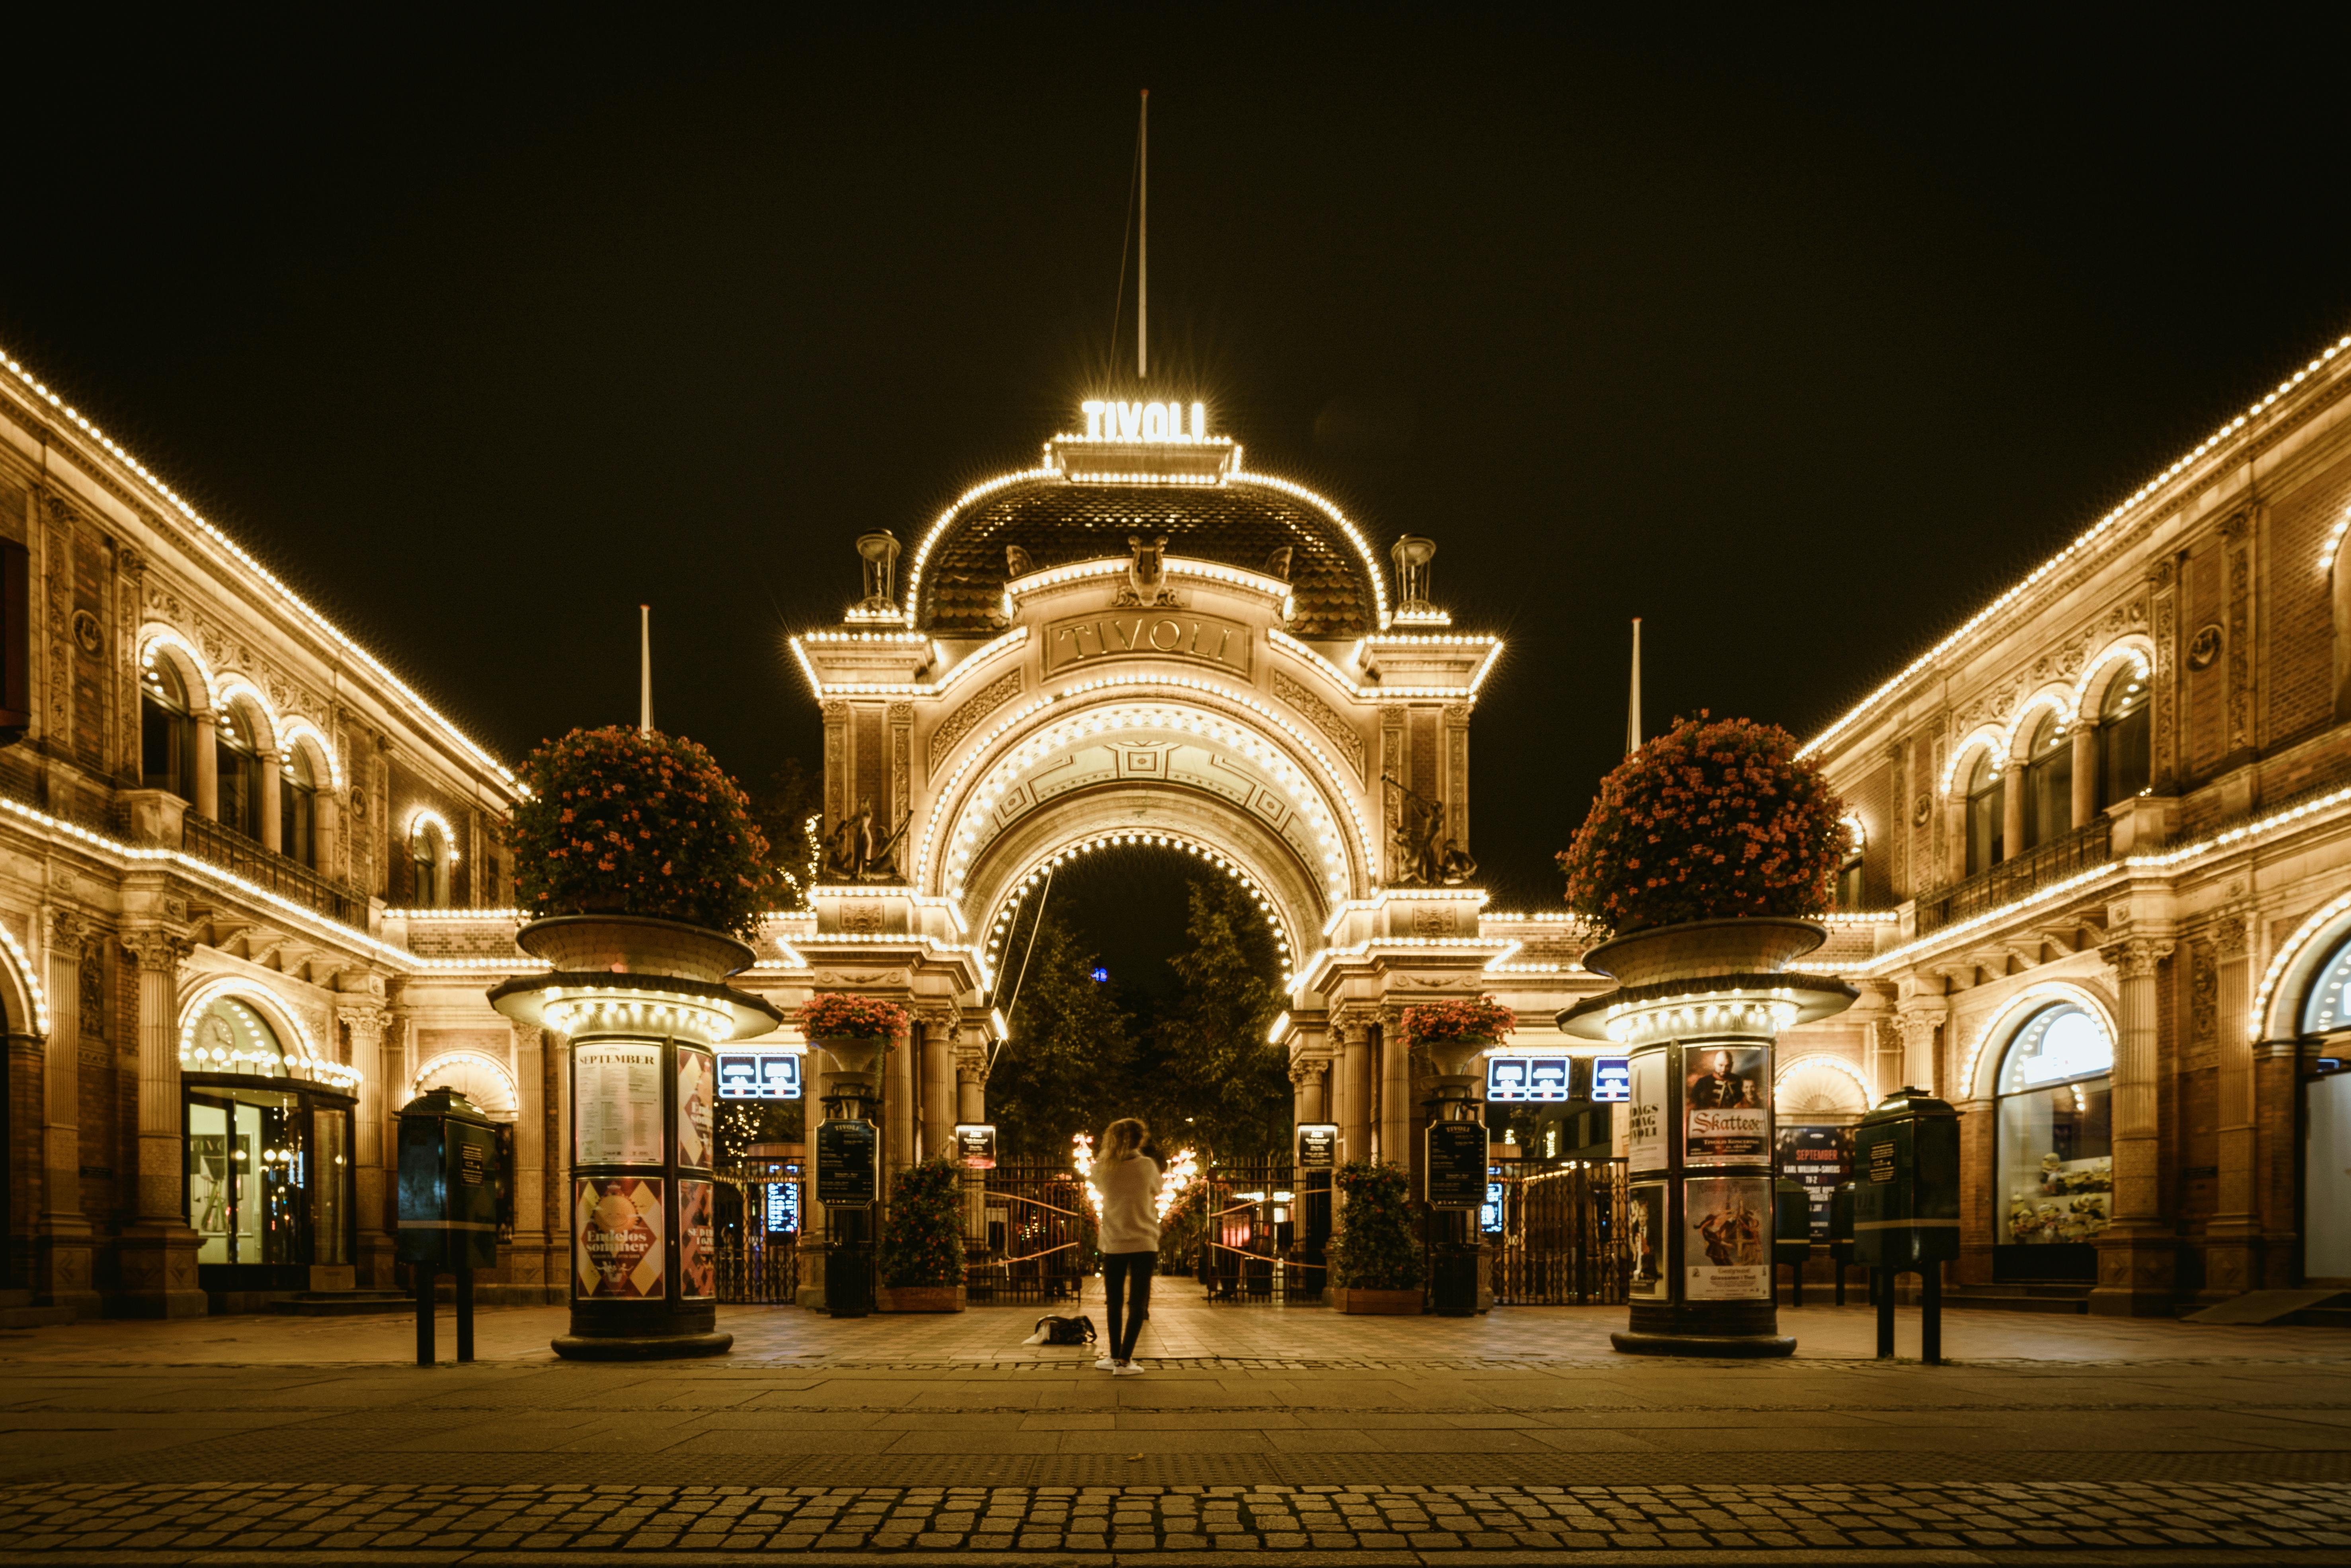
1108 420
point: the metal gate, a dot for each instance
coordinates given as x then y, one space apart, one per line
1250 1234
1562 1239
1031 1237
758 1241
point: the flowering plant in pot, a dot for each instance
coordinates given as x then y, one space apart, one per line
851 1029
1716 821
1455 1032
922 1240
1375 1263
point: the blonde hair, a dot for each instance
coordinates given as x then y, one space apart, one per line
1123 1139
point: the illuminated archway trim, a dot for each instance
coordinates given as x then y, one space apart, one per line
2134 647
946 810
2330 920
1989 735
425 816
1822 1059
467 1053
2057 699
236 686
293 1035
1090 723
2334 542
294 731
2003 1024
20 971
1017 889
155 638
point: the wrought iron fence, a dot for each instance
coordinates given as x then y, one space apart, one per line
1253 1234
2084 848
757 1244
233 852
1562 1237
1028 1235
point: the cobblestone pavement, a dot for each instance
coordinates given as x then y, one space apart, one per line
483 1525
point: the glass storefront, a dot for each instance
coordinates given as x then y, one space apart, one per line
2054 1156
268 1152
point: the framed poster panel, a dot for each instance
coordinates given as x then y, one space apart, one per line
617 1238
976 1145
1317 1145
847 1162
698 1087
1645 1113
1454 1173
616 1098
1650 1279
697 1263
1726 1238
1725 1105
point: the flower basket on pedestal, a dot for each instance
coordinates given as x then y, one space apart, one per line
1704 851
639 855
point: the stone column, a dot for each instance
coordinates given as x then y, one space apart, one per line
1395 1100
2233 1256
971 1082
1306 1089
1355 1085
530 1265
62 1276
816 1071
939 1090
898 1104
2086 770
365 1018
272 829
207 769
2137 1254
1918 1026
158 1250
2011 811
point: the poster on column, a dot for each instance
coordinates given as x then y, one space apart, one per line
616 1089
697 1081
698 1264
1644 1208
1725 1105
616 1225
1726 1238
1645 1114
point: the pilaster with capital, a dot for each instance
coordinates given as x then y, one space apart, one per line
937 1069
528 1256
971 1080
2137 1256
62 1251
364 1018
158 1251
1306 1074
2232 1255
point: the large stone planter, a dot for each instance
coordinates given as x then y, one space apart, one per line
635 944
1391 1303
920 1299
1705 949
1455 1059
851 1056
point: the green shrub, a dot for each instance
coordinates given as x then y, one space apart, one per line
1376 1248
921 1241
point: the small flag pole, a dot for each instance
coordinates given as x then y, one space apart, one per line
1633 709
644 669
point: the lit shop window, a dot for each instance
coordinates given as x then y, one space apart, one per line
2056 1128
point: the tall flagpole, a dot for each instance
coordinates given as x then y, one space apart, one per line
644 669
1143 250
1633 709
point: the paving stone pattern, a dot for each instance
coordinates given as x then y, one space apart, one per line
120 1524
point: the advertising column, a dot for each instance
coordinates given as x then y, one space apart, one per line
641 1260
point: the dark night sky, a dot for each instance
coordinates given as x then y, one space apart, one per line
1798 335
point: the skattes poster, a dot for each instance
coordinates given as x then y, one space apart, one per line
697 1263
616 1088
1725 1105
1726 1238
697 1081
617 1226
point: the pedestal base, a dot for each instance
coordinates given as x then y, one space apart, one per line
642 1347
1634 1342
61 1270
158 1261
2137 1272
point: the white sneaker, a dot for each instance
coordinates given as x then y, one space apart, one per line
1105 1364
1126 1369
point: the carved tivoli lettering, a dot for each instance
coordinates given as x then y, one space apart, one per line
1132 634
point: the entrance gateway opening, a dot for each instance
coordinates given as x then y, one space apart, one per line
1142 653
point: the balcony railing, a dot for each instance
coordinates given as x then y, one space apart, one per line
2082 850
233 852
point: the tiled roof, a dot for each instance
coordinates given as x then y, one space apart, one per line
1057 522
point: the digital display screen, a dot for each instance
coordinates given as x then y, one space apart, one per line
1523 1077
758 1075
1490 1213
1612 1079
783 1207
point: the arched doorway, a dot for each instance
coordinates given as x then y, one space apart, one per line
2325 1084
2052 1143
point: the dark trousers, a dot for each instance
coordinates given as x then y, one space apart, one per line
1118 1269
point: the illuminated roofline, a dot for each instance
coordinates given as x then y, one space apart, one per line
2095 533
286 596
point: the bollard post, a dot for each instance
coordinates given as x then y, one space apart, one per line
1882 1281
1930 1315
464 1314
423 1313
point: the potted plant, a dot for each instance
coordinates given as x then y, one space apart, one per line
1705 853
851 1029
1376 1260
1456 1033
922 1240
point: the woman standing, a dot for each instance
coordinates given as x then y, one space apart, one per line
1128 1181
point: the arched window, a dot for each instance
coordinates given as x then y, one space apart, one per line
1851 887
167 731
2055 1144
1987 801
428 864
239 751
2126 734
2048 783
298 808
2326 1129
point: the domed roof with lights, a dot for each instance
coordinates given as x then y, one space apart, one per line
1094 490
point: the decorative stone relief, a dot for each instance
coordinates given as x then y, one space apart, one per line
1326 719
965 718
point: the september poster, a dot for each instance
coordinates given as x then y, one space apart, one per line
1725 1105
1726 1238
